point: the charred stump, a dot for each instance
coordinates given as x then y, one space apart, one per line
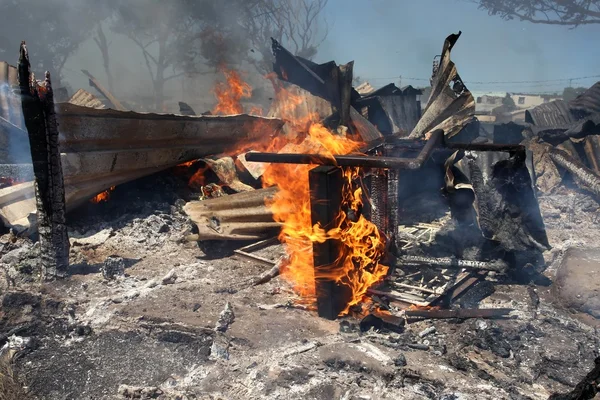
40 121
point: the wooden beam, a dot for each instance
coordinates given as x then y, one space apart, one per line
325 202
108 95
40 121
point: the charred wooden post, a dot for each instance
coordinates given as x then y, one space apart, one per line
325 204
40 121
584 176
345 83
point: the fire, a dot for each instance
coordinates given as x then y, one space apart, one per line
198 180
104 196
230 93
358 264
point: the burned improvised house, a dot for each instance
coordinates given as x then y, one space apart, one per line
347 244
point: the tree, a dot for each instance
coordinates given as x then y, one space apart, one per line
297 24
53 30
164 32
508 103
571 93
553 12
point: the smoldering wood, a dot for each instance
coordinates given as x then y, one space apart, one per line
583 175
345 76
451 262
107 94
325 202
501 183
40 121
460 313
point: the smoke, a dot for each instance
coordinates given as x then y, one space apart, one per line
15 154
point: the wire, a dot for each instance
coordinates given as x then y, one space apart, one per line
486 82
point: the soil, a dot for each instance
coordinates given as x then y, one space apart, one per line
152 330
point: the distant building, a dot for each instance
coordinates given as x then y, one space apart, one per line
526 101
486 102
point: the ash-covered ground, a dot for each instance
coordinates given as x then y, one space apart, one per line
150 332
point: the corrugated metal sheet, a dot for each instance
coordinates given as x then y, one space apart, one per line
101 148
86 99
589 101
554 113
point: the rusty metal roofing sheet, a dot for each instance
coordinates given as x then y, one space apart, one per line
554 113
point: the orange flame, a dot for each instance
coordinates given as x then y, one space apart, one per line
198 179
230 93
357 266
104 196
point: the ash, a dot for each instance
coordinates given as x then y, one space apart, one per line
148 331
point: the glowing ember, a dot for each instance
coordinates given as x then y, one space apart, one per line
230 93
104 196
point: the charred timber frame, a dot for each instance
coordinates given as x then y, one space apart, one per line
325 202
42 128
325 183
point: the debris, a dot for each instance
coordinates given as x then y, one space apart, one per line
96 85
451 262
400 360
379 321
169 278
41 122
393 110
226 318
185 109
219 349
586 389
450 105
227 173
427 331
241 216
583 175
112 267
501 183
460 313
102 159
86 99
93 240
135 392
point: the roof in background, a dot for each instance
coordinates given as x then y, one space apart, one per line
554 113
588 101
490 94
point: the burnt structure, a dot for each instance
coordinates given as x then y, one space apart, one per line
40 121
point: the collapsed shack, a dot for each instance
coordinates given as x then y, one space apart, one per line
455 206
102 148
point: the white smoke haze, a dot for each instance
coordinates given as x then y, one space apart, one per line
152 54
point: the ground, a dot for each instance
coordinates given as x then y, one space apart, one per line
150 333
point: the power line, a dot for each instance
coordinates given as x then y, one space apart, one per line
490 82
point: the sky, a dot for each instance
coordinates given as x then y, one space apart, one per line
392 38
